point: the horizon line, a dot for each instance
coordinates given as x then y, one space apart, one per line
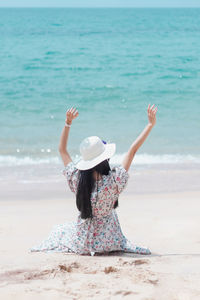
100 7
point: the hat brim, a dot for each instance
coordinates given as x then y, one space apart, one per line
89 164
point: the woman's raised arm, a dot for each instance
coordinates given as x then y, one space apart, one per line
71 114
141 138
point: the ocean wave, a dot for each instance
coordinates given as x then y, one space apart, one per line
136 74
139 159
9 160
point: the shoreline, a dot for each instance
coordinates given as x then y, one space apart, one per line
47 182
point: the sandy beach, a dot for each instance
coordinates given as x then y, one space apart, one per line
166 222
110 61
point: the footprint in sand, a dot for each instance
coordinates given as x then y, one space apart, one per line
110 269
68 268
141 262
136 262
21 275
125 293
152 281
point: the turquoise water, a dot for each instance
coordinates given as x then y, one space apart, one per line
109 63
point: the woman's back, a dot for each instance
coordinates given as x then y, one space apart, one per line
106 190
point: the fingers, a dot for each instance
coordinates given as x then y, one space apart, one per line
152 110
148 108
155 110
152 106
72 112
76 113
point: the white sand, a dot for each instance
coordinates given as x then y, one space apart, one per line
167 223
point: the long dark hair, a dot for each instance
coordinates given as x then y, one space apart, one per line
85 187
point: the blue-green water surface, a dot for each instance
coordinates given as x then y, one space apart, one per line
109 63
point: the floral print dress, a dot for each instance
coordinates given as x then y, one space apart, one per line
102 233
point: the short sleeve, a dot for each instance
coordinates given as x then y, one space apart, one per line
120 176
71 173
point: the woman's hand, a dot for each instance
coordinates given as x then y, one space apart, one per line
141 138
152 114
71 114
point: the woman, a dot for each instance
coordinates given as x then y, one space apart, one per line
97 188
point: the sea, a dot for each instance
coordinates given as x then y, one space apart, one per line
109 63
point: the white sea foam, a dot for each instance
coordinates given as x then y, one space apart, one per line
145 158
139 159
8 160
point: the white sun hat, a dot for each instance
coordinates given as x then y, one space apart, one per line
93 151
